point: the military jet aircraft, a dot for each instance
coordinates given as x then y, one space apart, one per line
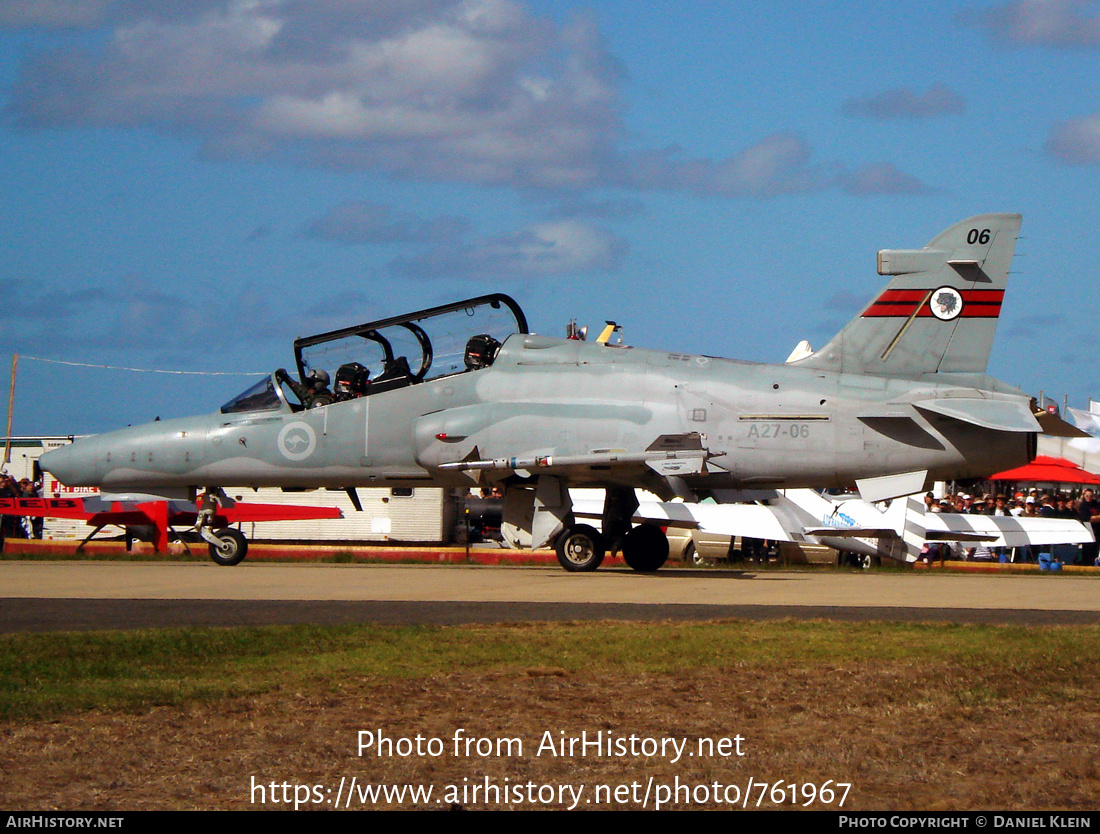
464 394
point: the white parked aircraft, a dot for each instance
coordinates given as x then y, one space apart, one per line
848 524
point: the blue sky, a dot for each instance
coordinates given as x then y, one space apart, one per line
190 185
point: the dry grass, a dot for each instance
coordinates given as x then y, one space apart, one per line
932 721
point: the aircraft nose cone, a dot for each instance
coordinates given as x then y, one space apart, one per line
71 464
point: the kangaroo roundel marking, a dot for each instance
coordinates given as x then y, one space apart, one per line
946 303
297 441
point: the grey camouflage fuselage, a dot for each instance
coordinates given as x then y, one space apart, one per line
897 399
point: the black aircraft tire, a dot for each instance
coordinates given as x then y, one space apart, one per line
236 548
580 548
645 548
862 561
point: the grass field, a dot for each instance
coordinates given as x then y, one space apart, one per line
914 717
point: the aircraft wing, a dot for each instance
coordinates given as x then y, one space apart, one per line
788 521
751 520
1006 530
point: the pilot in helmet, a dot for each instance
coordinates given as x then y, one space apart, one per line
352 380
481 350
317 380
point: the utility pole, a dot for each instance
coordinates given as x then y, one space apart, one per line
11 408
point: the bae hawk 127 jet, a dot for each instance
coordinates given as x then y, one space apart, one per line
464 395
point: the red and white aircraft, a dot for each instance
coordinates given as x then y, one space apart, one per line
210 515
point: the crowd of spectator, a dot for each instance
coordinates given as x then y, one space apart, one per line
14 526
1026 503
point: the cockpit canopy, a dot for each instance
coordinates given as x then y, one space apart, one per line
416 347
391 353
262 396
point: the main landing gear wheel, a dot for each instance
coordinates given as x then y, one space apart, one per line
580 548
645 548
232 547
863 561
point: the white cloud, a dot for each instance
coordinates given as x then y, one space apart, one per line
780 164
776 165
599 209
1051 23
557 247
357 221
881 178
477 91
51 13
1076 141
476 88
903 103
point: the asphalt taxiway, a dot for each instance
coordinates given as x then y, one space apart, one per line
51 596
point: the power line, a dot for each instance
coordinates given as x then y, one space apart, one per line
144 370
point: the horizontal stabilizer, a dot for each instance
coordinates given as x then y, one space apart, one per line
1055 426
851 532
999 415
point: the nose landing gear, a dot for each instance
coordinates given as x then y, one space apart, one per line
228 546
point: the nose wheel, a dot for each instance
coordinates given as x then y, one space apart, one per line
229 546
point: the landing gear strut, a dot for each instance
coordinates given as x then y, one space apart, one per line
228 547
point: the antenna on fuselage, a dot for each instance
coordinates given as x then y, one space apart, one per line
610 328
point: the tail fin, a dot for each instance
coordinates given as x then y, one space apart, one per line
939 312
914 528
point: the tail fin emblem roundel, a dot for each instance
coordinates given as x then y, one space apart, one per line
946 303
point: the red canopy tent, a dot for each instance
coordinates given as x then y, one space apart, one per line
1048 470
